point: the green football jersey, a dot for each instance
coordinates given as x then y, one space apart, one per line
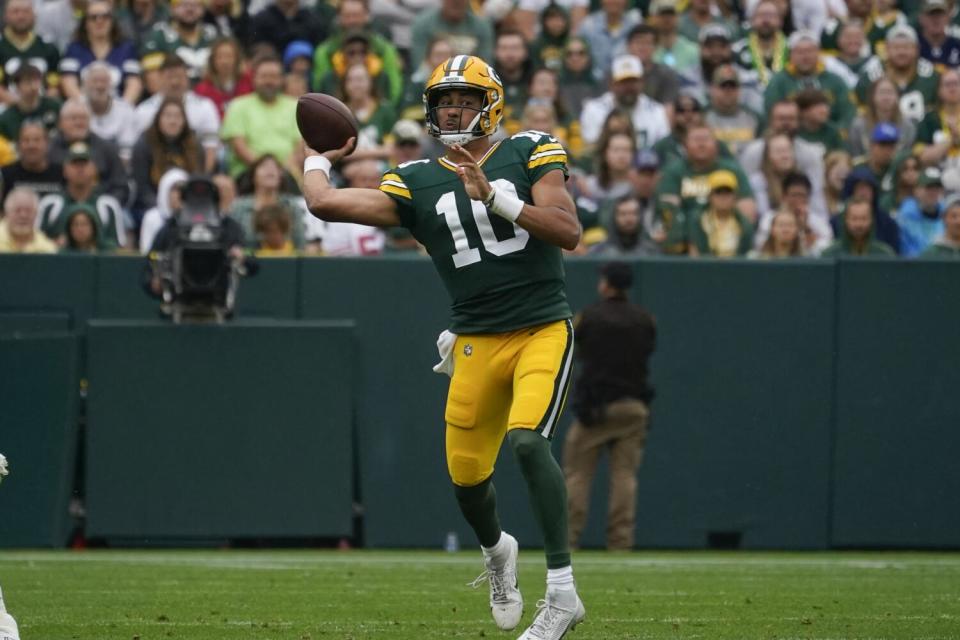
164 39
42 55
499 277
916 97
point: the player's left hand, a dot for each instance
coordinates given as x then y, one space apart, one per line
474 179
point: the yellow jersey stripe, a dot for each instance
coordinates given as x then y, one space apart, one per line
403 193
552 146
394 177
559 158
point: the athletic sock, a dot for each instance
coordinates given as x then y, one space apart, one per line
497 554
548 492
479 506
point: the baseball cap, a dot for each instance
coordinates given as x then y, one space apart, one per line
885 133
803 35
626 67
714 31
407 131
725 73
663 6
78 151
901 32
930 176
647 159
929 6
297 49
722 179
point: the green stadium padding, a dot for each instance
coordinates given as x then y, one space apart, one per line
219 431
18 323
39 389
48 284
898 419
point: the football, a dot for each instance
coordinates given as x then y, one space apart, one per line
324 122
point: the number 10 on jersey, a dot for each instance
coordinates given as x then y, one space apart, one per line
465 255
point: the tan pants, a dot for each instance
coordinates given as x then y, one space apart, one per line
623 433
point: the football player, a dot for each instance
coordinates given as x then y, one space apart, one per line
494 218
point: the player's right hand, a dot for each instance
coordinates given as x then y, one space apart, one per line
335 155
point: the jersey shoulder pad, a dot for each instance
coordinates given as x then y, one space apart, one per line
396 181
538 148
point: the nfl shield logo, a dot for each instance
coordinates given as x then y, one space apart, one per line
467 349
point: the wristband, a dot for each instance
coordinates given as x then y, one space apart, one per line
504 204
317 163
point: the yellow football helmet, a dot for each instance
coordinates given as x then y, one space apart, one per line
464 72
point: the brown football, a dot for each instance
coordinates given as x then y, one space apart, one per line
324 122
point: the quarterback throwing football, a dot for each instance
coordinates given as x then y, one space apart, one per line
493 217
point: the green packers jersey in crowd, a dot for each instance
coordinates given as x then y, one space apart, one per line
164 39
499 277
875 28
916 97
40 54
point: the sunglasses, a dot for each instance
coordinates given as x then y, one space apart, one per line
729 85
576 52
97 17
687 109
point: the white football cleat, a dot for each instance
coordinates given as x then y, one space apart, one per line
506 601
556 615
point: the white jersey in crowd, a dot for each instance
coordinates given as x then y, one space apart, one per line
349 239
649 119
202 115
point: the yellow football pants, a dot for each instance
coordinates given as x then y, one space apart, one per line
504 381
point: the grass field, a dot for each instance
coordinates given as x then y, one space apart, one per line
313 595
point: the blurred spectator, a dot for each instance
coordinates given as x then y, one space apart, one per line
263 122
531 12
225 78
916 79
407 138
863 184
805 69
857 235
936 45
98 39
701 13
720 230
767 184
284 21
411 100
168 143
837 166
33 169
18 231
906 176
83 232
297 66
684 190
271 225
73 127
815 231
230 18
673 50
815 126
938 134
333 56
346 238
138 17
578 83
614 160
880 155
948 245
861 11
784 238
626 92
20 44
30 103
168 201
57 22
511 61
784 118
201 112
605 31
611 400
265 186
921 217
625 233
185 35
111 118
544 90
547 49
660 82
763 52
882 105
733 124
851 56
227 189
686 113
714 52
355 51
82 185
375 116
467 33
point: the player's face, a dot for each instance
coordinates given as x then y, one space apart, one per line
457 108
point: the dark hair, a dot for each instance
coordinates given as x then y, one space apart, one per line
80 35
642 30
618 275
183 152
795 178
272 214
511 32
603 169
33 122
810 98
265 58
172 61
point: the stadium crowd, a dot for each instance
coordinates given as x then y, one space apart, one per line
768 129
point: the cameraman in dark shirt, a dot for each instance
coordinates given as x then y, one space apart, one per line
614 341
